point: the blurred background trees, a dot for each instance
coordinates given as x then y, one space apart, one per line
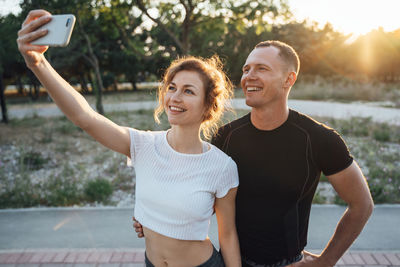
131 41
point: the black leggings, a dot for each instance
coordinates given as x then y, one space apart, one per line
214 261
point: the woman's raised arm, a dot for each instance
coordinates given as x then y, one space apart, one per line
71 103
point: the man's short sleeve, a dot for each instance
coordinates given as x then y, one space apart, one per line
333 155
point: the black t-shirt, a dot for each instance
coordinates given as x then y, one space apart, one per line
278 174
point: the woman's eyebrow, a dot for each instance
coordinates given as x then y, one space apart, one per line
185 85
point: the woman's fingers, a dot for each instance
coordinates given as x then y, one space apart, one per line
34 14
33 25
29 32
36 48
29 37
24 42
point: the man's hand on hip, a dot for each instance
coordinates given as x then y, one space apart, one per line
138 228
310 260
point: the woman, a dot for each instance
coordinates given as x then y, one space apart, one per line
180 179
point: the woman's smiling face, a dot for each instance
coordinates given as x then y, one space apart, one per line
184 100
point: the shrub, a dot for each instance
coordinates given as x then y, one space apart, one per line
66 127
31 160
319 198
382 133
98 190
20 193
63 189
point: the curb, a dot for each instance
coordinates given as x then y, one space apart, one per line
125 257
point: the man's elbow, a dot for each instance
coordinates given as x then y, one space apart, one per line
369 207
365 208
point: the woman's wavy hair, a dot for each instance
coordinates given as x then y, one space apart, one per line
218 89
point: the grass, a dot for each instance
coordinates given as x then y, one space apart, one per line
376 148
50 162
310 88
345 90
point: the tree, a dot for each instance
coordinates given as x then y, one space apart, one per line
81 42
11 64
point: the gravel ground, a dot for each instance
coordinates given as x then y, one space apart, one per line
123 199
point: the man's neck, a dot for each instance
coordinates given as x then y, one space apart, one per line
268 119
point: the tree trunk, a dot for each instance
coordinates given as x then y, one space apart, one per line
34 91
92 59
115 86
83 82
20 86
92 85
133 82
3 101
99 90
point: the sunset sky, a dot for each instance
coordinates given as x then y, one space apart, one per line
347 16
350 16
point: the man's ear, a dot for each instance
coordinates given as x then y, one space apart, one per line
290 79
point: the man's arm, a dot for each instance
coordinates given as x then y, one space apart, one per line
352 187
138 228
227 234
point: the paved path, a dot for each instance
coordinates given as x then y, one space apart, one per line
135 258
312 108
104 237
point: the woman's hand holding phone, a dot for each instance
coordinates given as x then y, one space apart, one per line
41 30
33 54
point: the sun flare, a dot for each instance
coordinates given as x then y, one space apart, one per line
354 16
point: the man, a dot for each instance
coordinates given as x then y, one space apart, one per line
280 155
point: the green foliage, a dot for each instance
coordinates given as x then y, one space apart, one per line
63 189
123 182
338 201
34 121
47 136
381 166
20 193
98 190
318 198
339 88
31 160
66 127
383 133
364 127
376 147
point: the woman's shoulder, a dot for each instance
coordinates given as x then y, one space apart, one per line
149 133
146 136
221 155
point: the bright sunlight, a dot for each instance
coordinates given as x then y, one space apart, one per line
350 16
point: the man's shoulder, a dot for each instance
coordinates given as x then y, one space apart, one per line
236 123
309 124
226 130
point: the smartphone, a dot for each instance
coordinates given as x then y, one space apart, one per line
59 31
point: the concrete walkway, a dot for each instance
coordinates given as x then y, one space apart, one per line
135 258
105 237
312 108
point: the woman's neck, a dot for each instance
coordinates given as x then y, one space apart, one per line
185 139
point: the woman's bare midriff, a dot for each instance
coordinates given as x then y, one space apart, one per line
166 251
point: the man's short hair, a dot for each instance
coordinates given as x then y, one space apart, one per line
286 52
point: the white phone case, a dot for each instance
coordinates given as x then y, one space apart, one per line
59 31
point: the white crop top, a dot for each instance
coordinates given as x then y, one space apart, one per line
175 192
